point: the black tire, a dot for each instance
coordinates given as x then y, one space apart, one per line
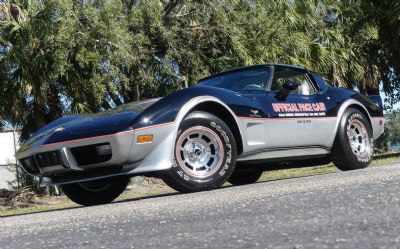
193 168
343 155
243 177
95 192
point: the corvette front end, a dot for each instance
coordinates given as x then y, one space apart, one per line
77 155
87 148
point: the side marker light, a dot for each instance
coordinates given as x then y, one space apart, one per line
145 138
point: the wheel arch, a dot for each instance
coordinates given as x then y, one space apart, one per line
363 111
216 107
351 104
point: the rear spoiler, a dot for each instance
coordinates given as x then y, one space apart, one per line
377 99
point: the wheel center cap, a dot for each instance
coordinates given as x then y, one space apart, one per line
195 151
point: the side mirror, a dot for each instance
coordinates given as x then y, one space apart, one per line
288 86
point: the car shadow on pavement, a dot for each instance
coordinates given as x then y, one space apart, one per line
146 197
40 212
162 195
280 179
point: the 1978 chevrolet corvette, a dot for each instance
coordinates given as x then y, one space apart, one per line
229 127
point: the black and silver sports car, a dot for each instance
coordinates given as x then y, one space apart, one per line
229 127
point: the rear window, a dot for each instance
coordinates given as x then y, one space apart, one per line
321 81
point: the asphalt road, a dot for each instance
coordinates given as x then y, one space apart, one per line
358 209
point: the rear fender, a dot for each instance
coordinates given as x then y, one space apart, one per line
343 108
377 99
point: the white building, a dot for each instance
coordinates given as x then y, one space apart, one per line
8 147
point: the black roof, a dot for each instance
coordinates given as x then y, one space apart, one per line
256 66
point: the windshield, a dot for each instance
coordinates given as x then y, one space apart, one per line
246 79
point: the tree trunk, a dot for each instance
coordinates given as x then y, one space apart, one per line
370 82
134 81
54 103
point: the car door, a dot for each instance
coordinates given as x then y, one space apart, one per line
300 118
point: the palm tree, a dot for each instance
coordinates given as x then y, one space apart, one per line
60 57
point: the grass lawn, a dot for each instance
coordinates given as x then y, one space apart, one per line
63 202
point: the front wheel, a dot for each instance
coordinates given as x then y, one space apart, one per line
95 192
353 146
205 154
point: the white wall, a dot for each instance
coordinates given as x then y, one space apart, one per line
7 156
7 150
5 177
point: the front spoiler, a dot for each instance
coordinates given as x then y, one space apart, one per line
86 176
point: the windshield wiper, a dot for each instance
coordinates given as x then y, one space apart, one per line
249 90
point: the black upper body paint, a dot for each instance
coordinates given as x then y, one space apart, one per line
245 104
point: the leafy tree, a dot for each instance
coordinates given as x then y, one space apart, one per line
374 27
56 60
59 57
393 126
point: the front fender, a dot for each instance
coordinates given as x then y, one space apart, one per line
163 120
175 106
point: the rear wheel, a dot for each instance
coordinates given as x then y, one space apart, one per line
95 192
353 146
245 177
205 154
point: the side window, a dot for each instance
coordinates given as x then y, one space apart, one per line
283 75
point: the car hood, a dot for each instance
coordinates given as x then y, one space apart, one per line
91 125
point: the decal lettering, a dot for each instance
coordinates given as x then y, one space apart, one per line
304 121
299 109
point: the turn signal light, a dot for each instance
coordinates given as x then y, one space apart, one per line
144 138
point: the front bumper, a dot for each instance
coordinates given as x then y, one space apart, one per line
77 155
75 160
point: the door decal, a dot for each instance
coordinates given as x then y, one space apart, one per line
299 109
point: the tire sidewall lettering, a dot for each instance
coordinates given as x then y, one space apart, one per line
223 168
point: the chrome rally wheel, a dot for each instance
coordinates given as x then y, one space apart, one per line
204 156
353 146
199 151
359 139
